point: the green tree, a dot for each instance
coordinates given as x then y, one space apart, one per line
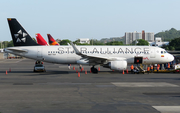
76 41
168 34
142 42
10 44
174 44
34 40
95 42
65 42
115 43
167 48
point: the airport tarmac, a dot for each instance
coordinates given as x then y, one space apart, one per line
60 90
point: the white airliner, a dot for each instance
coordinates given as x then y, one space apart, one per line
113 57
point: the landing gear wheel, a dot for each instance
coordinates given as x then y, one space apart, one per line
94 70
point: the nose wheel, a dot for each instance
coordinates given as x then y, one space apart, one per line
94 70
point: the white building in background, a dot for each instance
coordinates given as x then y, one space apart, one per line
132 36
158 42
136 35
84 40
149 37
128 38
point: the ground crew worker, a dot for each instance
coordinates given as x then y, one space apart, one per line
132 67
157 69
158 65
69 67
148 68
151 68
168 66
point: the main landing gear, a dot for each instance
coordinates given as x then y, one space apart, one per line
94 70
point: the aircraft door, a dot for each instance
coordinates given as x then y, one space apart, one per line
138 60
152 53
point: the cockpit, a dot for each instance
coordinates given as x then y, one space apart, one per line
163 52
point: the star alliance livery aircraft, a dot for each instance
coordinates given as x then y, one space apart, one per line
113 57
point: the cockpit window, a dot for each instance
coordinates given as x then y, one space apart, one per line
163 52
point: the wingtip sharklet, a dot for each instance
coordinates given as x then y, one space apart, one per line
75 49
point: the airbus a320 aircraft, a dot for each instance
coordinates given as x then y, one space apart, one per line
113 57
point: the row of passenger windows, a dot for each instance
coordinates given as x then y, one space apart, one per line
95 52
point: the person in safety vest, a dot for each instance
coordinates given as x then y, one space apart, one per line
157 69
151 68
168 66
132 67
148 69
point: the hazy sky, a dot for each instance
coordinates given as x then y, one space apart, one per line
73 19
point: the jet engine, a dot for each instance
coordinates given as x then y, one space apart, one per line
117 65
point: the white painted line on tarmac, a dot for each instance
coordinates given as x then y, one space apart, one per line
143 84
168 109
2 61
18 61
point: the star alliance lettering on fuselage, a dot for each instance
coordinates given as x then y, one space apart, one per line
69 50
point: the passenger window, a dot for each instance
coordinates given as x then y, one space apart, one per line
161 52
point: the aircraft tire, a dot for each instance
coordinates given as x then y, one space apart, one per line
94 70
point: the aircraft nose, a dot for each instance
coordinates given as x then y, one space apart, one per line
171 58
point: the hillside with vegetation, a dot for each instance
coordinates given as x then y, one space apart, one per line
168 35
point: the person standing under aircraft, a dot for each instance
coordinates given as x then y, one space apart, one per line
148 69
132 67
151 68
157 68
168 66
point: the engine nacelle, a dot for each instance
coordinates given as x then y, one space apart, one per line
118 65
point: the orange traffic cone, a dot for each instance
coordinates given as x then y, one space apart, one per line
123 72
98 68
85 71
82 68
76 70
90 70
73 68
9 69
78 74
6 72
127 71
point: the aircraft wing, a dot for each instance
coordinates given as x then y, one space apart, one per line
17 50
94 58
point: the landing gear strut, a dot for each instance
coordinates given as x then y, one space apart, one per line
94 70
